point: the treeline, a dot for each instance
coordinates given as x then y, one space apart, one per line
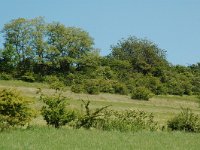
34 50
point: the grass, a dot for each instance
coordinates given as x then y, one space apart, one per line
45 138
39 136
163 107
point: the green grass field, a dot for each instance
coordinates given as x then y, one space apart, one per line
44 138
40 137
163 107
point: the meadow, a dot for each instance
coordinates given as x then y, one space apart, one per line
45 138
162 107
39 136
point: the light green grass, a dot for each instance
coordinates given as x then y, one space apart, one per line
44 138
163 107
19 83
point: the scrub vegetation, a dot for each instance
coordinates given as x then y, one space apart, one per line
55 85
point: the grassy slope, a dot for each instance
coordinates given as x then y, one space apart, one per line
163 107
51 139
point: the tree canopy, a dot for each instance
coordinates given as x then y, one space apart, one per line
145 56
34 50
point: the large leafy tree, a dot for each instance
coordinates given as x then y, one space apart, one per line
35 46
67 45
17 34
145 56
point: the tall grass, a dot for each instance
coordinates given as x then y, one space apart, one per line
45 138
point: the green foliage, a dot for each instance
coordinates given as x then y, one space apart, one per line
89 62
77 88
34 49
141 93
106 86
28 77
144 55
88 118
95 86
105 73
128 120
185 121
54 82
69 79
92 87
5 76
55 112
198 97
120 88
104 119
14 109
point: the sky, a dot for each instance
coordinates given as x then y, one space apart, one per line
174 25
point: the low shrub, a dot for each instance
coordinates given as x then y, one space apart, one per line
69 79
54 82
185 121
14 109
128 120
5 76
88 117
28 77
92 87
106 86
120 88
55 112
77 88
141 93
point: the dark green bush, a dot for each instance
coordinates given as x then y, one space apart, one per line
55 112
141 93
14 109
185 121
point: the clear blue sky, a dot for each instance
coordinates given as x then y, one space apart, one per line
174 25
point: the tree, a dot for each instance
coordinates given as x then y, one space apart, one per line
144 55
38 44
66 45
31 45
17 39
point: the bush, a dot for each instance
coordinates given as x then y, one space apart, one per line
14 110
120 88
28 77
5 76
106 86
141 93
54 112
128 120
92 87
88 118
77 88
69 79
185 121
54 82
